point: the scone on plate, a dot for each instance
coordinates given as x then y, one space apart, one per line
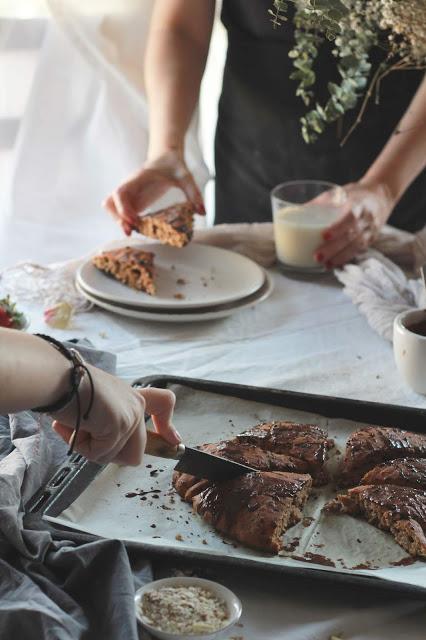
129 265
172 226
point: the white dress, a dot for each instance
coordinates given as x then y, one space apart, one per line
85 125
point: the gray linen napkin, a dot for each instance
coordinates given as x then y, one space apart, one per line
56 584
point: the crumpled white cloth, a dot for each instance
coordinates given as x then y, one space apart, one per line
48 285
256 241
381 290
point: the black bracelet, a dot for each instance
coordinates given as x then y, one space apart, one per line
77 372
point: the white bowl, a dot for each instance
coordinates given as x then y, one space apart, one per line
231 600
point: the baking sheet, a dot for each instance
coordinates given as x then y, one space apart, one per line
138 505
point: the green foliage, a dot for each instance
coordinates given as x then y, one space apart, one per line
353 37
351 49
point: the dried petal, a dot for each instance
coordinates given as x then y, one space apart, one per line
59 316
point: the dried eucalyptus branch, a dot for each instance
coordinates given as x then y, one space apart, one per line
355 27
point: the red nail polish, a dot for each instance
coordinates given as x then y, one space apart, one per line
329 264
327 235
319 257
202 209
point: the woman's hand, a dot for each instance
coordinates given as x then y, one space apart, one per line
115 429
365 211
157 176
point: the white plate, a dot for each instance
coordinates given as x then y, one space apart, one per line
214 312
211 276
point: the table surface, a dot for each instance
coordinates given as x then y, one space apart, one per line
306 337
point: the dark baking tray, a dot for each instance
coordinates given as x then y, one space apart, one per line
75 475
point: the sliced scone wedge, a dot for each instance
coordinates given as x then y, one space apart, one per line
129 265
399 510
255 509
307 443
172 226
371 446
406 472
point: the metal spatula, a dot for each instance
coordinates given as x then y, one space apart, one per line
196 463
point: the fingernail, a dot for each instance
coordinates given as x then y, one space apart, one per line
329 264
202 209
319 257
327 235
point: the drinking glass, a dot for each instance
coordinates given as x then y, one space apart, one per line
302 210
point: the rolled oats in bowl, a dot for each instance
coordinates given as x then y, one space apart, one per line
186 608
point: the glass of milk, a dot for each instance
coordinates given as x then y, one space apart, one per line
302 210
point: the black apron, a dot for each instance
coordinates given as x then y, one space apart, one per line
258 139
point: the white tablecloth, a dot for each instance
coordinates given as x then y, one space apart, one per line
306 337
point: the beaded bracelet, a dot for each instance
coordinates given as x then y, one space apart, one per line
79 368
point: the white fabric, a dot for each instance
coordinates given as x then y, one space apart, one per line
381 290
85 126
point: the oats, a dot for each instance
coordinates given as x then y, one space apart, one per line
184 610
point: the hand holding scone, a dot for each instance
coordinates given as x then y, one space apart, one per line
155 178
364 212
115 430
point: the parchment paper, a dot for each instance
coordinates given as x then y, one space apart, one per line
328 542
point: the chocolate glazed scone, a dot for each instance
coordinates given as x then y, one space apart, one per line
254 448
172 226
407 472
371 446
129 265
307 443
255 509
399 510
188 486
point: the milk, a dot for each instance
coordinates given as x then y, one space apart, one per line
298 232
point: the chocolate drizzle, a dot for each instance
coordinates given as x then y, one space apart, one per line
406 472
225 501
369 447
304 442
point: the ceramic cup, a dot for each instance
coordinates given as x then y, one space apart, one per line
410 349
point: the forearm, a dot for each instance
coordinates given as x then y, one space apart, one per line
32 372
404 155
175 63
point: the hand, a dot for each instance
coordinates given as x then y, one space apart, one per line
115 430
145 187
365 211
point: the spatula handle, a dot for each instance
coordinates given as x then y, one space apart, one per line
157 446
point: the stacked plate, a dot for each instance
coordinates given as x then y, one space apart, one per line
196 283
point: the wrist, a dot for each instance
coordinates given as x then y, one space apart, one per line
383 192
68 413
160 148
384 188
